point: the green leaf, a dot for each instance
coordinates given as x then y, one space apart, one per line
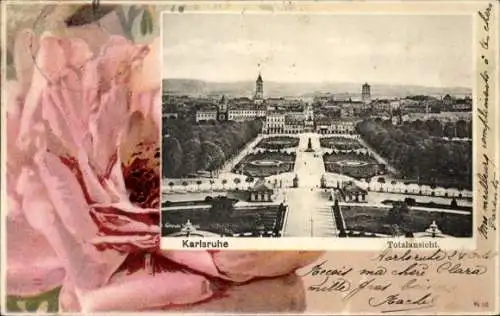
87 14
146 23
133 12
47 302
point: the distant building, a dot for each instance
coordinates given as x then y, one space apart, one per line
259 88
169 111
275 123
293 124
209 114
327 125
366 94
462 106
245 112
381 106
261 192
347 111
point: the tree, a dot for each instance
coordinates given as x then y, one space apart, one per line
221 208
454 202
171 185
381 180
172 157
396 215
199 182
212 155
185 184
224 181
237 181
212 181
249 180
449 130
192 155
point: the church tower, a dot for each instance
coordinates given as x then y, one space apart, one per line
259 88
365 94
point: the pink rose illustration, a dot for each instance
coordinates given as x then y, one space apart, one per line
84 188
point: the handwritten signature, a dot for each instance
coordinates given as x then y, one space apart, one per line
399 303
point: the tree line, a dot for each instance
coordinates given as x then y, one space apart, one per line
460 128
189 147
418 156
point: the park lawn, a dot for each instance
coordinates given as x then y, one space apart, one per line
240 221
373 219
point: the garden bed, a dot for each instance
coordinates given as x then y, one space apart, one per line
340 143
264 164
433 205
278 142
356 165
241 221
375 220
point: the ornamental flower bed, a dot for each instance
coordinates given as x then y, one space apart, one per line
356 165
278 142
340 143
264 164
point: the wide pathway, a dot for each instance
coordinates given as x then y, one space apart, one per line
309 214
309 166
309 211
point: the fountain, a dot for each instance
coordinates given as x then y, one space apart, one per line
433 230
188 228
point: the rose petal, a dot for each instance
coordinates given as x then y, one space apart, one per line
201 261
140 140
32 265
284 294
106 126
50 61
68 300
146 76
66 195
126 206
25 47
245 265
141 290
72 227
94 188
123 224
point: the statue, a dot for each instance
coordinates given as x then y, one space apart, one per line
309 145
323 181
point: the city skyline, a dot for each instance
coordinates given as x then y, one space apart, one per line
291 49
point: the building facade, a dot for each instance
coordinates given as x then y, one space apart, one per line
246 112
329 126
206 115
274 123
294 125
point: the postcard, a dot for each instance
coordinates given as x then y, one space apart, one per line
315 157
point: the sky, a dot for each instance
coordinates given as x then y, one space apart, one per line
430 50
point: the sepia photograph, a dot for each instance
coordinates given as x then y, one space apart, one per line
317 125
